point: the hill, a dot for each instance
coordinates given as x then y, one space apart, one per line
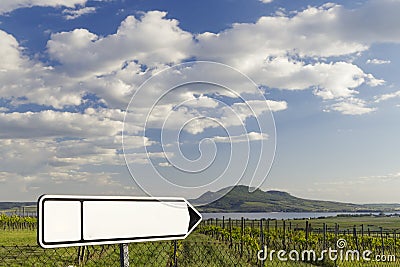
4 206
239 199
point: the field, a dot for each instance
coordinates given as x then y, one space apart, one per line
215 243
348 222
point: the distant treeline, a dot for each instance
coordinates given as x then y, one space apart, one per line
13 205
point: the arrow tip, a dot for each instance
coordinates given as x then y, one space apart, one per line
195 218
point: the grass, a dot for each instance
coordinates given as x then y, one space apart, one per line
197 250
200 250
18 237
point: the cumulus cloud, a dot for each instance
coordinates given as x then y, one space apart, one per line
353 106
76 13
196 118
151 40
376 61
258 49
294 58
315 31
385 97
9 53
55 124
257 107
298 51
251 136
329 80
24 80
16 187
10 5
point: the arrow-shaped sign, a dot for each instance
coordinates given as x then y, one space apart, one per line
92 220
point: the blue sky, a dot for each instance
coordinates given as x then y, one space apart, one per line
327 71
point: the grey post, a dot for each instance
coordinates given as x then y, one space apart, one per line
124 255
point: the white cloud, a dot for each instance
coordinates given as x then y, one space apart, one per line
385 97
315 31
73 14
266 1
281 58
33 155
248 137
56 124
23 77
200 102
145 158
196 119
151 40
9 53
376 61
372 81
286 51
10 5
92 63
246 109
352 106
16 187
331 80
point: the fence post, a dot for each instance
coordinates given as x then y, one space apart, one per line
383 247
241 236
284 235
230 232
124 255
362 236
307 233
355 236
336 239
262 241
324 233
394 237
81 255
175 258
268 232
223 227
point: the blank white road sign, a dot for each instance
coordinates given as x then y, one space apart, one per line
66 220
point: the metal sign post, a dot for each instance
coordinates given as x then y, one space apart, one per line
124 255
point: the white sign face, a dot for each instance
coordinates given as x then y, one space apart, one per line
93 220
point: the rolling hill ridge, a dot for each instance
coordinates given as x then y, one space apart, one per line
239 199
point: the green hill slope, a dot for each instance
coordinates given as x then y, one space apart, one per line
239 199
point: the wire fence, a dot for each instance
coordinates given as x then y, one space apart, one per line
166 253
273 240
189 253
217 243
